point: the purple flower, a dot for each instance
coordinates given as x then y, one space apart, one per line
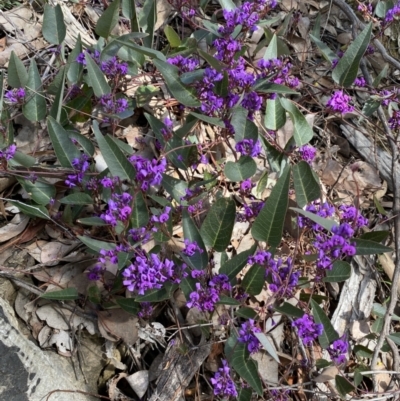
340 103
249 147
146 310
337 350
246 336
119 209
222 382
246 185
15 96
163 217
307 153
191 248
8 153
394 121
185 64
81 165
148 172
392 13
114 67
111 105
360 81
308 329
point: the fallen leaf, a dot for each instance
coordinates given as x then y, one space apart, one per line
117 324
14 227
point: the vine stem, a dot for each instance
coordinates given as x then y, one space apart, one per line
396 202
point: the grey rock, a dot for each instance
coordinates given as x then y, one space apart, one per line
28 373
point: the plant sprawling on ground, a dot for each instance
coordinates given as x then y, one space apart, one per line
210 162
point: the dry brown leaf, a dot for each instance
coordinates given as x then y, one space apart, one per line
14 227
267 367
301 46
117 324
327 374
3 44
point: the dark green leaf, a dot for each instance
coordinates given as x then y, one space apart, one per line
246 367
17 74
341 271
147 21
174 84
140 214
306 184
247 313
245 394
144 50
94 294
362 351
289 310
95 244
239 122
65 150
68 294
234 266
329 334
96 79
199 260
268 225
129 305
23 160
370 106
228 5
382 74
328 54
272 49
116 161
108 20
224 300
302 131
244 168
35 107
275 114
173 38
266 86
346 70
144 94
40 191
54 29
322 363
176 188
210 120
217 227
122 145
129 11
343 385
157 295
366 247
77 198
376 236
86 143
31 210
254 280
317 26
325 223
92 221
74 68
57 106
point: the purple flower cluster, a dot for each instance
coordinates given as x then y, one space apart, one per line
167 131
360 81
81 165
278 71
337 350
148 272
141 235
111 105
191 247
9 152
185 64
146 310
340 103
163 217
249 147
222 382
105 255
394 121
246 186
392 14
352 215
250 211
307 153
207 294
119 209
324 210
246 336
148 172
112 67
281 274
15 96
308 329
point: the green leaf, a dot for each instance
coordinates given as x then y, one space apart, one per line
95 244
35 107
228 5
108 20
341 271
329 334
234 266
129 11
210 120
144 94
317 27
266 86
248 313
376 236
96 79
238 121
245 394
275 115
123 145
31 210
17 74
224 300
181 93
144 50
322 363
23 160
268 225
217 227
68 294
41 191
246 367
173 38
74 68
327 53
215 63
343 385
267 345
92 221
366 247
77 198
54 29
157 295
382 74
370 106
289 310
302 132
325 223
116 161
140 214
272 49
254 280
65 150
94 294
129 305
147 21
176 188
199 260
346 70
306 184
57 106
244 168
86 143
